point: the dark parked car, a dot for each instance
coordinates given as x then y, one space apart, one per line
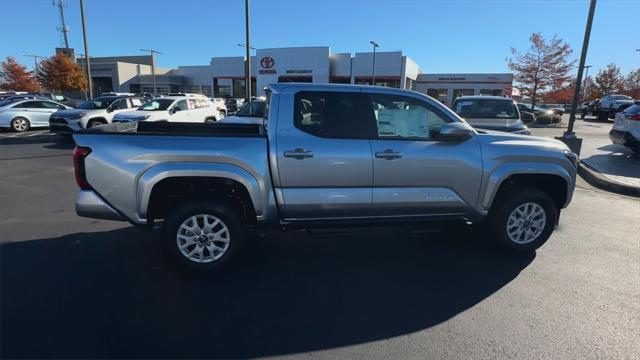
589 108
557 109
543 116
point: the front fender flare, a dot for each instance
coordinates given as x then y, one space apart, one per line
503 172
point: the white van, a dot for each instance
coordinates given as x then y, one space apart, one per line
192 108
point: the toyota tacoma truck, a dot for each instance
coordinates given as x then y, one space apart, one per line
324 156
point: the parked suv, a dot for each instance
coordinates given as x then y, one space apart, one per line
491 113
174 109
626 128
331 155
98 111
614 103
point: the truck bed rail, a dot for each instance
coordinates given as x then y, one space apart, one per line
183 129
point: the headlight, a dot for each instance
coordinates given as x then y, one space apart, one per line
549 112
141 117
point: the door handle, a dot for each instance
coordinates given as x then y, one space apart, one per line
298 154
388 154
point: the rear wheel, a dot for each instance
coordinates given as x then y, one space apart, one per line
203 235
523 218
20 124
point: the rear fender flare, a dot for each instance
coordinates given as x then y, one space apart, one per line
151 177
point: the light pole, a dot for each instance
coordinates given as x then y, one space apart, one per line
243 46
373 66
153 66
247 47
586 76
86 49
569 137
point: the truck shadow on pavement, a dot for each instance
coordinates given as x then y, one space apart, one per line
113 294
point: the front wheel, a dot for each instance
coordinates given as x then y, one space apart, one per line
203 236
523 219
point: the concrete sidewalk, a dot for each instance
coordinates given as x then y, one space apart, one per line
611 166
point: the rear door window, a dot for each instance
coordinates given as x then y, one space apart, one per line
334 114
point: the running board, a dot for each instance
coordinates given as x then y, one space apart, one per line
326 233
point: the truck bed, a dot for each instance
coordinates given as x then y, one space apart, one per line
175 128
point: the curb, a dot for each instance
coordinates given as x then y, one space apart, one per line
595 178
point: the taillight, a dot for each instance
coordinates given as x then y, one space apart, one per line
79 153
219 109
634 117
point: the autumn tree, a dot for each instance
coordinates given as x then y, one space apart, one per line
609 81
14 76
543 67
60 73
632 84
590 87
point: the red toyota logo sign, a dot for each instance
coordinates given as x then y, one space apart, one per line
267 62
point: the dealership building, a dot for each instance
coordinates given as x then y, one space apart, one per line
225 76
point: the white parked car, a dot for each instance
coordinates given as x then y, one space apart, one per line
626 128
614 102
98 111
25 114
173 109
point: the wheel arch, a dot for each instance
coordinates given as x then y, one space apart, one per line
207 181
551 178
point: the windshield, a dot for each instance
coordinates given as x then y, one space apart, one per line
486 108
98 103
253 109
633 109
622 97
156 105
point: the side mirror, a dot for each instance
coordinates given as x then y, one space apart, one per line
175 110
109 109
455 131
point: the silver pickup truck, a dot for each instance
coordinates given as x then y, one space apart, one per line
326 155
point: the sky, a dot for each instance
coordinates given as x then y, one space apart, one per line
465 36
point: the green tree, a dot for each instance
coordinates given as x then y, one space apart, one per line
14 76
543 67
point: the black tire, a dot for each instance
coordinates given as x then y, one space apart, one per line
228 217
507 203
583 115
20 124
210 120
94 123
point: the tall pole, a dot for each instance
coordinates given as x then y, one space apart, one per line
64 29
373 66
247 52
86 49
583 56
35 62
153 66
584 86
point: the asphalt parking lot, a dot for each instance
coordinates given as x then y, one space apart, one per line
84 288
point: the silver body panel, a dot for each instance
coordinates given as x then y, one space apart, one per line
342 180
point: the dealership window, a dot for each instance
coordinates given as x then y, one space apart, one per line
401 117
340 80
462 92
239 88
393 83
337 115
491 92
438 94
300 79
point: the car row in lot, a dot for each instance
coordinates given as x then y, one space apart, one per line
23 114
607 107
